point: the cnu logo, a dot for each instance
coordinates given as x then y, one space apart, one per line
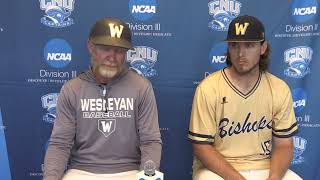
57 12
142 60
223 13
298 59
300 145
143 9
303 10
49 102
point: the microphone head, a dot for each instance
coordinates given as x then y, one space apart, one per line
149 168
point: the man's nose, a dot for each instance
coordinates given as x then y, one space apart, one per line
241 51
111 54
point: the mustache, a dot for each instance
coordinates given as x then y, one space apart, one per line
107 72
242 59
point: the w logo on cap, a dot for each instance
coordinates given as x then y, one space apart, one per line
115 31
246 28
111 32
241 28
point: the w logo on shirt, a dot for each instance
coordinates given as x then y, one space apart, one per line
106 126
115 31
241 28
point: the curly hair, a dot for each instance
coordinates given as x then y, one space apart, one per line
264 58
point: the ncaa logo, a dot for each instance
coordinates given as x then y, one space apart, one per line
143 9
223 12
57 13
300 145
299 99
57 53
49 102
106 126
298 59
305 10
142 60
218 56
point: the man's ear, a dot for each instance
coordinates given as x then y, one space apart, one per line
263 47
90 46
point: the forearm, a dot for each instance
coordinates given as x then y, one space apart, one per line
148 128
151 151
55 163
215 162
58 152
280 162
62 136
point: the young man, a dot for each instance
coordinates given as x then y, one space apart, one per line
242 119
107 120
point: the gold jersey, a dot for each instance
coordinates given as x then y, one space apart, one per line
240 126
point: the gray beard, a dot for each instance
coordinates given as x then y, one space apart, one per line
106 72
103 71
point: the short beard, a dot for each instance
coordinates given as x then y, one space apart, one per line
107 72
248 71
103 71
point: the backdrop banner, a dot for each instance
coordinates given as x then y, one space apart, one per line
176 45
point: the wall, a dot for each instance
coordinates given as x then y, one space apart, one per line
187 40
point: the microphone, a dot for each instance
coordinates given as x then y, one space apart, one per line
149 172
104 94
